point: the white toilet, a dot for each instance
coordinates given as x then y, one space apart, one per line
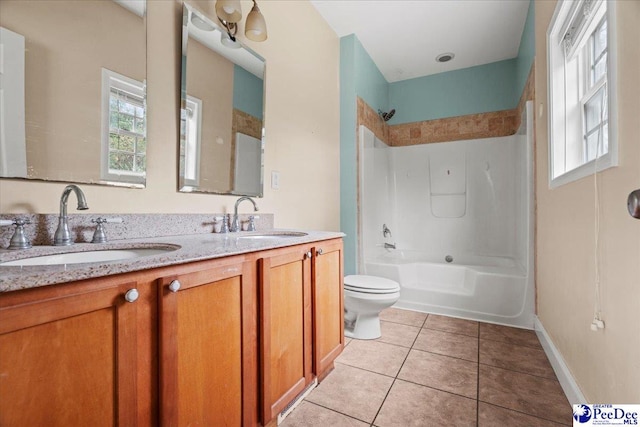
364 298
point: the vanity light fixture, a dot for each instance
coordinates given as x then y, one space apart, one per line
229 14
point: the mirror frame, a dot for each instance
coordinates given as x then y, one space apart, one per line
188 11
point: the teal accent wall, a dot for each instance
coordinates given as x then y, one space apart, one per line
247 92
348 160
370 83
527 50
489 87
359 77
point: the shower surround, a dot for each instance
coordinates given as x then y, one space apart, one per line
460 215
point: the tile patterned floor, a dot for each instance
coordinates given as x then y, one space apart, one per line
430 370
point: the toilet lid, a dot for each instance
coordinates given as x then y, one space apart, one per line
374 284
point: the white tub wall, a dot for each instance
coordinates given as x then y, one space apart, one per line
492 224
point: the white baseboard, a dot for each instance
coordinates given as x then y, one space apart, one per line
567 382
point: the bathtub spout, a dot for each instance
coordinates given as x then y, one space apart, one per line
389 245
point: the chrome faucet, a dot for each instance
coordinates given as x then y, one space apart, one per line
62 236
235 224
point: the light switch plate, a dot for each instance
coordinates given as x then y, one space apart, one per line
275 180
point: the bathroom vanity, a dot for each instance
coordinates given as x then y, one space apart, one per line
223 331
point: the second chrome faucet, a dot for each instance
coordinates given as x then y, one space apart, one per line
62 237
235 223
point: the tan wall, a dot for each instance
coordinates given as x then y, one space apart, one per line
215 90
605 364
301 119
103 34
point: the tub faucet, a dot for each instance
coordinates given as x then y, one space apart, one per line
62 237
235 224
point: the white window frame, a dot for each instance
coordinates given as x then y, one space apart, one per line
112 79
566 127
192 141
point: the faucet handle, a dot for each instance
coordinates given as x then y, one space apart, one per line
252 222
99 236
224 227
19 240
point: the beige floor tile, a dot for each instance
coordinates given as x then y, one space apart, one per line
520 358
540 397
347 340
374 356
451 324
311 415
441 372
508 334
352 391
398 334
493 416
448 344
406 317
412 405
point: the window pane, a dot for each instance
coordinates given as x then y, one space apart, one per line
113 141
142 146
592 143
125 122
139 112
141 163
126 107
593 110
139 126
600 69
113 103
600 39
127 143
113 120
121 161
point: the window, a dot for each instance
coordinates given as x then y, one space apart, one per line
581 53
124 140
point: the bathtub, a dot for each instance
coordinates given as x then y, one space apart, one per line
488 289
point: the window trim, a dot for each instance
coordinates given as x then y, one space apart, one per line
137 88
558 26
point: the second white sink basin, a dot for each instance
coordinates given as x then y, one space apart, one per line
88 256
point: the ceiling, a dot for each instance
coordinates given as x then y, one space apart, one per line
403 37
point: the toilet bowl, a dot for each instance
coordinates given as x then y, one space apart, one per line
364 298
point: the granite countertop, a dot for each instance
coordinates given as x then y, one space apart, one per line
189 248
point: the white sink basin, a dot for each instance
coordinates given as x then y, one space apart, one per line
88 256
274 235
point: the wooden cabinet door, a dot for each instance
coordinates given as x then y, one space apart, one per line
285 327
208 346
68 356
328 305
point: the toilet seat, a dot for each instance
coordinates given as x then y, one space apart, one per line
370 284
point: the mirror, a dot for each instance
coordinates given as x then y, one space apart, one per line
221 132
73 91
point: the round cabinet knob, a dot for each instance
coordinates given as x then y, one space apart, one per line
132 295
319 252
308 255
174 286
